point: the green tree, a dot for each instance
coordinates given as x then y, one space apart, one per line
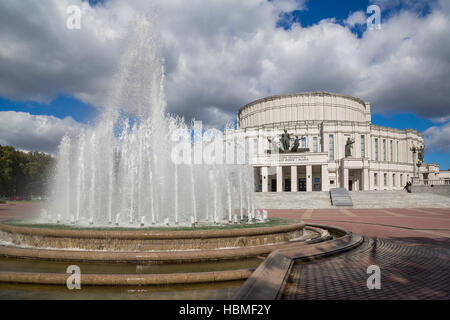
24 174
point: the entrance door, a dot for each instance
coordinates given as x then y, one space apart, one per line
350 185
302 184
274 185
287 185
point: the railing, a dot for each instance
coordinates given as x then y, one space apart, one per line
430 182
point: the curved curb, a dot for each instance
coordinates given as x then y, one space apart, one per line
126 279
269 279
324 234
137 257
145 234
151 256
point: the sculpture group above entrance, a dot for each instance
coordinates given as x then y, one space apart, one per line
285 141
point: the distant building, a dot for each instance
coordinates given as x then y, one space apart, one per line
381 158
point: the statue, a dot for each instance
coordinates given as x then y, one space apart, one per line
296 144
348 147
421 154
285 141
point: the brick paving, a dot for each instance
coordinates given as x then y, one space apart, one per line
19 210
424 226
411 247
407 272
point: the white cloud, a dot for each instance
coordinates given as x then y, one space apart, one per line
289 5
223 54
438 137
35 133
355 18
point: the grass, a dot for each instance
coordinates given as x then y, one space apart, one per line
272 222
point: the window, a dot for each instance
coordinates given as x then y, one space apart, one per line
363 147
384 149
255 146
332 182
401 180
376 149
331 147
315 145
393 179
375 179
385 179
304 142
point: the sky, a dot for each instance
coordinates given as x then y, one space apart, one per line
220 55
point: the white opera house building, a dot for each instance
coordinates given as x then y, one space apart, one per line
321 124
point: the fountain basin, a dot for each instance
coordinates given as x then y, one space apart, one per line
68 244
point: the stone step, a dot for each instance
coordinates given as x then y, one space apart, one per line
360 199
398 199
292 200
340 197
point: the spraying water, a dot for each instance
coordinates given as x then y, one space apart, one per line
120 171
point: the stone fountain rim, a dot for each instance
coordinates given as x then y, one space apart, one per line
149 234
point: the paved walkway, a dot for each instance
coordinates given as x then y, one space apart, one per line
19 210
411 247
407 272
414 226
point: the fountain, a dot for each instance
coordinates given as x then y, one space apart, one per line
121 171
119 195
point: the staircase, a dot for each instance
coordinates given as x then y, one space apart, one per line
340 197
398 199
359 199
292 200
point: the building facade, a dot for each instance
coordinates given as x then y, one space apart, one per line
322 124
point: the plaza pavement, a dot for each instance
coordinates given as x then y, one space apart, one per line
423 226
19 210
410 246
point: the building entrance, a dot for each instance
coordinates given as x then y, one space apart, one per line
273 185
287 185
302 184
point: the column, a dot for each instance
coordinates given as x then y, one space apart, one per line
294 182
432 176
265 179
279 179
356 152
325 144
366 181
325 179
308 178
345 179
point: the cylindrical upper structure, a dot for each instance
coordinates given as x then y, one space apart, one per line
307 106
